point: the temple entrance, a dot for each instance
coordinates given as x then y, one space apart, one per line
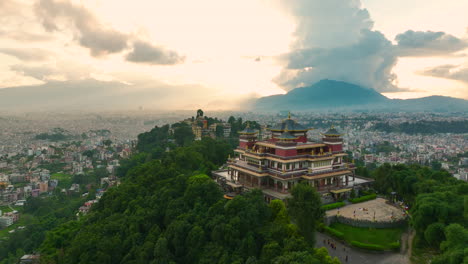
280 186
271 183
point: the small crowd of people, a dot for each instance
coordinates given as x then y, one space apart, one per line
333 246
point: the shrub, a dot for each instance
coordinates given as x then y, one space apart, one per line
363 198
334 232
367 246
332 206
368 192
321 227
395 245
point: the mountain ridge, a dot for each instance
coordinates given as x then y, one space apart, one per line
331 94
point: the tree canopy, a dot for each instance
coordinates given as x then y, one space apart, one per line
169 211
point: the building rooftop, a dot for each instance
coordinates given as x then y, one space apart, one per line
332 132
288 125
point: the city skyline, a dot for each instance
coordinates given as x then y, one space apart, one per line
224 53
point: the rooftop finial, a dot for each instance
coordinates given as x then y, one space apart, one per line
289 115
248 124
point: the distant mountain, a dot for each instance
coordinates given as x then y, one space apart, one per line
91 94
338 95
434 103
58 95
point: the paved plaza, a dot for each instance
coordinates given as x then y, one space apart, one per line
357 256
382 211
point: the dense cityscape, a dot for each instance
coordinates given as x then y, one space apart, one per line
79 155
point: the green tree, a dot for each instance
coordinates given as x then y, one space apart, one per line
219 131
107 142
305 209
454 248
434 234
161 252
183 135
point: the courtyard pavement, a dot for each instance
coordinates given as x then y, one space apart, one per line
366 211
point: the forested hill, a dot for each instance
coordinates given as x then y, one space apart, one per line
167 210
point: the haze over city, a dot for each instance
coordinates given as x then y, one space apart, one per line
219 55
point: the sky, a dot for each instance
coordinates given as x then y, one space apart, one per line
216 53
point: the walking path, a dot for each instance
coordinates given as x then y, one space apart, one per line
356 256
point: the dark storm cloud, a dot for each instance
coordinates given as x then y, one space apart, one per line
144 52
428 43
30 54
452 72
88 31
334 40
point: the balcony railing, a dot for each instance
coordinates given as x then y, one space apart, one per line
325 154
284 174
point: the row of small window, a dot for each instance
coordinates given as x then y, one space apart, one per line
289 166
298 165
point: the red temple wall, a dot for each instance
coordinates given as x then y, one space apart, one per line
302 139
286 152
336 147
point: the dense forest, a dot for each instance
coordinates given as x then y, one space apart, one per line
168 210
438 208
424 127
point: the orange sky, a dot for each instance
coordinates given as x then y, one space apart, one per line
231 47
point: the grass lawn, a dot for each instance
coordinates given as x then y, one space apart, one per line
64 180
376 236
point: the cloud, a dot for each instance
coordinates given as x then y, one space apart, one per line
61 70
429 43
334 40
452 72
99 39
38 72
89 32
24 36
30 54
327 23
144 52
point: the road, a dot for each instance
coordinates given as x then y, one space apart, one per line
356 256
